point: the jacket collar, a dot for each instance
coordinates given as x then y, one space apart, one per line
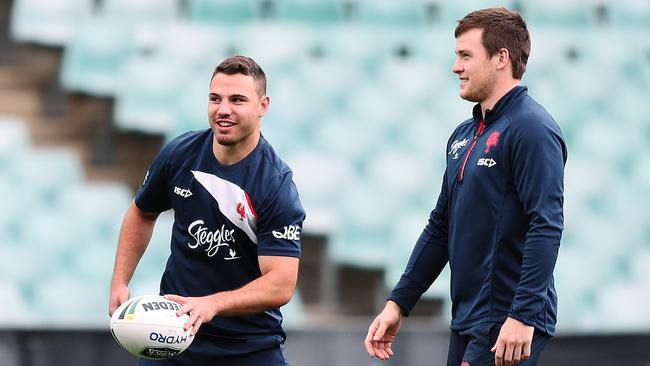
500 107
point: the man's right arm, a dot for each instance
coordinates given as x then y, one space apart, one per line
425 264
135 234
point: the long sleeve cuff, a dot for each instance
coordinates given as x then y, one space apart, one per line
526 307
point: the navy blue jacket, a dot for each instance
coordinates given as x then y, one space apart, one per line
498 220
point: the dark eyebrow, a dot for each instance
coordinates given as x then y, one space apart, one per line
215 95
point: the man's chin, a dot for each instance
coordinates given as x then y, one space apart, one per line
225 140
470 97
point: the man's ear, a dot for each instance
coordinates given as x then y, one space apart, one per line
503 56
264 105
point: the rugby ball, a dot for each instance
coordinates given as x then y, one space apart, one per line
147 326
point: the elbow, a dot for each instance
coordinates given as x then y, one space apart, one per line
284 295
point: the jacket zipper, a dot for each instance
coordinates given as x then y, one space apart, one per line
479 132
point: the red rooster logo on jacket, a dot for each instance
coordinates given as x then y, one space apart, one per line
492 141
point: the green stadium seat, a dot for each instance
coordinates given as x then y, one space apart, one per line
51 230
223 11
50 23
293 314
142 18
14 139
284 47
358 45
559 13
308 11
391 13
320 179
92 62
632 297
147 92
26 263
153 12
195 48
400 173
291 111
628 14
339 135
88 308
363 226
16 312
191 107
155 257
328 80
100 206
63 169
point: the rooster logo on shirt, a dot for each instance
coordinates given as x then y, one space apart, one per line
241 211
492 141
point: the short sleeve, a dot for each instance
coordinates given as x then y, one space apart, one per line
152 195
280 220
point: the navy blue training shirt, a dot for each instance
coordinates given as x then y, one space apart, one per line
225 216
498 219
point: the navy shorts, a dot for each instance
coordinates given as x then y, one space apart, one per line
472 347
204 351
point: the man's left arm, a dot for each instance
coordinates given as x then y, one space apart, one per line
272 289
538 158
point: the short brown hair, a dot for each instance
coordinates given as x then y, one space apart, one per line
502 28
246 66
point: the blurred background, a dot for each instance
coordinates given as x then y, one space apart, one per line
362 103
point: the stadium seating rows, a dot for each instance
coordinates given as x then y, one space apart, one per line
363 100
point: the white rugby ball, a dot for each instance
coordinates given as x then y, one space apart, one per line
147 326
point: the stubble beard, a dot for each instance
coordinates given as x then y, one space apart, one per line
479 92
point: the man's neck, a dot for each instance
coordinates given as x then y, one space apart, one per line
232 154
498 93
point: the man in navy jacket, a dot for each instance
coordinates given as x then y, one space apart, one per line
499 218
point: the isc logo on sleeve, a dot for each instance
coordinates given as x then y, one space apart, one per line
182 192
291 232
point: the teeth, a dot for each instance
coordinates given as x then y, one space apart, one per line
225 124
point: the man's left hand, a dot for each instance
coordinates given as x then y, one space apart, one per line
514 343
200 309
